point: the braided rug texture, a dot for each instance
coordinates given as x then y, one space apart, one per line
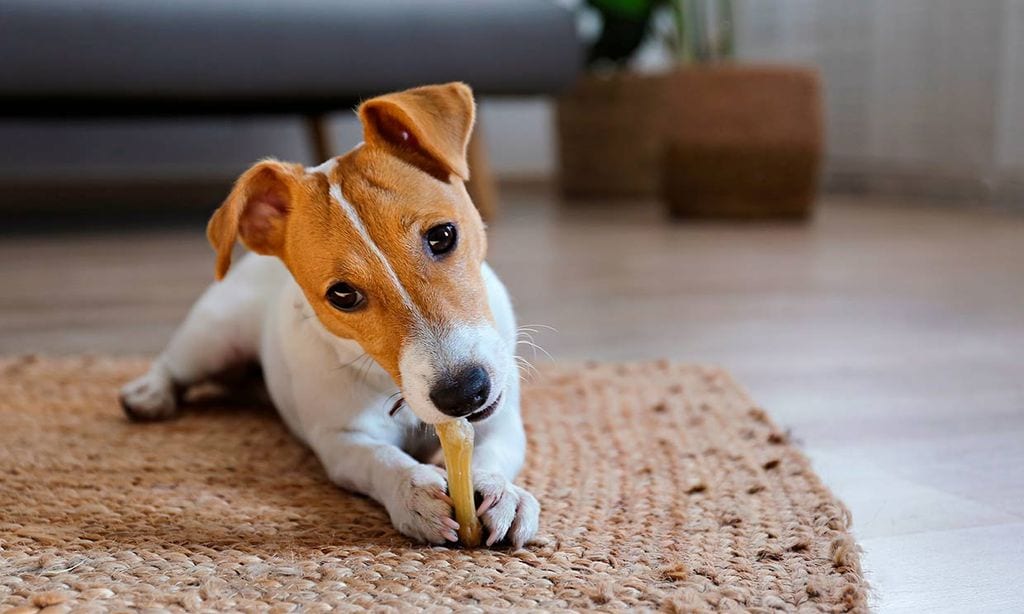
662 486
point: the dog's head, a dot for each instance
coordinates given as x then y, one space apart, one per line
388 248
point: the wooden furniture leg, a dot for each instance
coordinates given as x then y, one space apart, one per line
319 137
481 186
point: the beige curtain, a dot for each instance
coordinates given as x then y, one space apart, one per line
923 96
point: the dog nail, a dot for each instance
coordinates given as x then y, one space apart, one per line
450 522
451 536
490 540
485 505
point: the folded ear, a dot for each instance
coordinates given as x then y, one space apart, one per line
256 211
428 126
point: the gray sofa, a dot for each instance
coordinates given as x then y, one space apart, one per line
75 58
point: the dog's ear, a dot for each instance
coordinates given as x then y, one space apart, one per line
256 211
427 126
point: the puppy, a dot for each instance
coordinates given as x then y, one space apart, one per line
367 284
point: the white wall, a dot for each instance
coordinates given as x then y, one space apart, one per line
1010 109
921 95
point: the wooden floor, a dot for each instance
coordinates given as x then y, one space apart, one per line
888 336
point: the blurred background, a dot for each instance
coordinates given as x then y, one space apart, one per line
920 96
825 197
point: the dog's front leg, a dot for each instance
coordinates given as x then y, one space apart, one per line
414 494
509 512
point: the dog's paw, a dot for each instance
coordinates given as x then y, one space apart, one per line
422 508
149 397
509 513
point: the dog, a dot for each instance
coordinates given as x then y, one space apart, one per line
365 284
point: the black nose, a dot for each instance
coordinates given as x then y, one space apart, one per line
462 393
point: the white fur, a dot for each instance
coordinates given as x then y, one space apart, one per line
432 353
338 403
364 234
324 168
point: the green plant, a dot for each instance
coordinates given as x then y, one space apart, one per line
702 29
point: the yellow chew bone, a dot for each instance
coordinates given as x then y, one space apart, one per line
457 442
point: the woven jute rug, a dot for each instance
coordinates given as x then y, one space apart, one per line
663 488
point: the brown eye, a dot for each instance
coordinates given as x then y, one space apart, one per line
344 297
441 239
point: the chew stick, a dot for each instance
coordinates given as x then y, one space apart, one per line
457 443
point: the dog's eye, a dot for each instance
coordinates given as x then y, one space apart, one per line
345 297
441 239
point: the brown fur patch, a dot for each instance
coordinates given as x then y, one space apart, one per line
280 209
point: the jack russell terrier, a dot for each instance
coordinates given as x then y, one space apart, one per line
374 257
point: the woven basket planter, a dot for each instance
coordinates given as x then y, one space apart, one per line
610 136
722 141
745 142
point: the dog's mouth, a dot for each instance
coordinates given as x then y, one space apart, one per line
486 412
478 415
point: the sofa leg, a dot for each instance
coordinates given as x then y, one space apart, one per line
319 137
481 186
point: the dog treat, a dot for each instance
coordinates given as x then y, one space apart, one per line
457 443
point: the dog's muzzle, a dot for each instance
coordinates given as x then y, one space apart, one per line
462 393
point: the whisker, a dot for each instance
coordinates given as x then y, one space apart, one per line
525 335
526 376
529 343
531 327
391 396
525 364
526 368
536 348
364 369
351 362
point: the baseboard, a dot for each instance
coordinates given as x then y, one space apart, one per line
1003 192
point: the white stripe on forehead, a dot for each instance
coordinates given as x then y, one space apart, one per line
325 168
357 222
